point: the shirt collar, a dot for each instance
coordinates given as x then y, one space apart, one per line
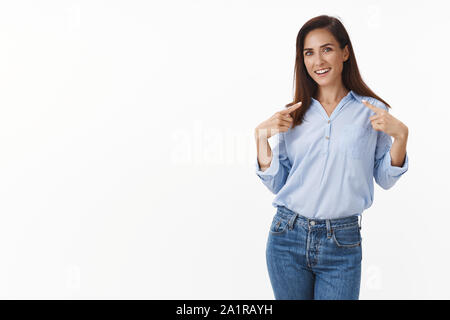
356 96
349 95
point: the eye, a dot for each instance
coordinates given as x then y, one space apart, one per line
327 48
306 54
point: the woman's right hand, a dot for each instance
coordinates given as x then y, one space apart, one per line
281 121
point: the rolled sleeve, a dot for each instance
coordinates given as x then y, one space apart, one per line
269 172
394 171
385 174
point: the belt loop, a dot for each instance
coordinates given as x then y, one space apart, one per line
291 221
360 221
328 228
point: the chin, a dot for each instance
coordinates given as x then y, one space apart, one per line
323 83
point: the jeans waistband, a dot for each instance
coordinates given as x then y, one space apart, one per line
339 222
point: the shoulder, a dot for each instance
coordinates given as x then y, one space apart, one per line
379 104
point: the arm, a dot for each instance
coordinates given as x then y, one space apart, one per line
272 167
398 150
391 159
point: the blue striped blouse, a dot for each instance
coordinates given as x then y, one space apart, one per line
324 168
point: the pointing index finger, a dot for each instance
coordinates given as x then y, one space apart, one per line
292 108
371 106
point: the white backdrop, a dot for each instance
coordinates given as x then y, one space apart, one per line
127 149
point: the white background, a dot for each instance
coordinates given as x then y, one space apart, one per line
127 150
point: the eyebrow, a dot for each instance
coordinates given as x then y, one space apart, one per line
326 44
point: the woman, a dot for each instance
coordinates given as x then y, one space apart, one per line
331 142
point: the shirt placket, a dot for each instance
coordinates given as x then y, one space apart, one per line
326 140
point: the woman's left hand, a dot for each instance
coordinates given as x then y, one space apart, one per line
384 121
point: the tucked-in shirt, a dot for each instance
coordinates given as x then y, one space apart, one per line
325 167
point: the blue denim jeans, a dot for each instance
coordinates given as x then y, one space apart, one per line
314 258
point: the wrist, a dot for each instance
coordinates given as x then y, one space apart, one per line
261 134
402 136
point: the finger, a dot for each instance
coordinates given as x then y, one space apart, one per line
284 122
283 116
377 126
371 106
374 126
375 117
292 108
285 128
379 121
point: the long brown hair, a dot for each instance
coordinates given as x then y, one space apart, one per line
305 86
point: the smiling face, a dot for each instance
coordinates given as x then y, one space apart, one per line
322 51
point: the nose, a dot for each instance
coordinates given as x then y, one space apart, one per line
318 61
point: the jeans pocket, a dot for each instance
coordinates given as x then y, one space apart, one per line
355 140
347 236
279 225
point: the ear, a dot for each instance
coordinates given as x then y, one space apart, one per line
346 52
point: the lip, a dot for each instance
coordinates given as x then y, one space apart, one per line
324 74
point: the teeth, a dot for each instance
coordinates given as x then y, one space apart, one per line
322 71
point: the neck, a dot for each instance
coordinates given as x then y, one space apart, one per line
331 94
